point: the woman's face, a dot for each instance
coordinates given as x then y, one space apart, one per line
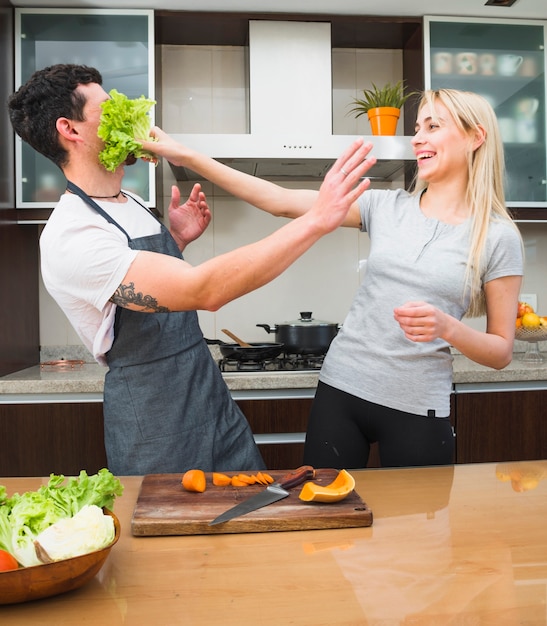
440 147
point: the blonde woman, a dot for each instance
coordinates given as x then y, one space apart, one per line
444 250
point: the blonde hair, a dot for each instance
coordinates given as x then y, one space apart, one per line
486 172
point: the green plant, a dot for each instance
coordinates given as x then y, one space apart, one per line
387 96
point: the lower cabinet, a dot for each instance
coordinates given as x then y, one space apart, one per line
278 417
63 438
284 416
500 426
40 439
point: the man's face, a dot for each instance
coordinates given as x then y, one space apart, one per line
94 95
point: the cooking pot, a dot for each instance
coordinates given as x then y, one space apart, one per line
305 335
257 351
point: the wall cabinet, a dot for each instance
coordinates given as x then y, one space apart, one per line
120 44
505 62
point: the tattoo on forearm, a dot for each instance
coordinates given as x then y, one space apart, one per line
126 295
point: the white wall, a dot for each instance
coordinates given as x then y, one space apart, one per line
325 278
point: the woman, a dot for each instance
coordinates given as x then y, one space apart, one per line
445 250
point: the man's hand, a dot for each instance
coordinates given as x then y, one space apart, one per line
189 220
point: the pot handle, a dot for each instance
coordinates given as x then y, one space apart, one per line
267 328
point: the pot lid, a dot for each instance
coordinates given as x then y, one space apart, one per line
306 319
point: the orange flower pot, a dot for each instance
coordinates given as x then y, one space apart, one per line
383 120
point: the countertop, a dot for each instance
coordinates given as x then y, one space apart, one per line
90 379
448 545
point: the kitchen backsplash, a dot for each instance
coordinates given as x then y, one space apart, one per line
324 279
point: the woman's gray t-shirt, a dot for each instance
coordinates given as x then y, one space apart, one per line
412 258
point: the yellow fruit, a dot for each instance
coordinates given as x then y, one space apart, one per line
339 489
530 320
543 321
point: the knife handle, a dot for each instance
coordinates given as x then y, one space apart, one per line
297 477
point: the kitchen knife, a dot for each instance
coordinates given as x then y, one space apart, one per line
272 493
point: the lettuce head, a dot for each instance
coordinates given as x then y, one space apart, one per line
24 516
122 122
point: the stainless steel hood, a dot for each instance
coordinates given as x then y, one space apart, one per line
290 82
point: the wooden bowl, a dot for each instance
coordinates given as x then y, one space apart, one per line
51 579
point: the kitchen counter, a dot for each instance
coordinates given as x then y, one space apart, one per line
86 384
448 545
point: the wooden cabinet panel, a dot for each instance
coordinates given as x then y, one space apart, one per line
284 416
39 439
501 426
278 416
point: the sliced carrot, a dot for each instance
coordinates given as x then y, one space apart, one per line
260 479
247 479
194 480
221 480
264 479
236 482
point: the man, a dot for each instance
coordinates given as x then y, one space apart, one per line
119 276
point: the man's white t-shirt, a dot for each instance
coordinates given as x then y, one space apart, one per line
84 259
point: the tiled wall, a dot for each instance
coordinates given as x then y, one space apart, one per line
325 278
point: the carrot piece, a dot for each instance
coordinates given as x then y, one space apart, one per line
221 480
194 480
248 480
264 479
236 482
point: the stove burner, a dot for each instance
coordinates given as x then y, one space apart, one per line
231 365
284 362
303 361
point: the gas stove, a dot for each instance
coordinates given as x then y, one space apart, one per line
282 363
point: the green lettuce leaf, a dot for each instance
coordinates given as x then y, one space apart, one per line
23 517
122 122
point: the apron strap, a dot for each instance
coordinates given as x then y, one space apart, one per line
82 194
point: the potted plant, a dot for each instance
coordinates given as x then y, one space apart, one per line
383 106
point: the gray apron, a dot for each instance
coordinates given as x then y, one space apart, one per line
167 408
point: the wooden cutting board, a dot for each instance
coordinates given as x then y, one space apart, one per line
164 507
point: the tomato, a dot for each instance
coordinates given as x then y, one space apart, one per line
7 561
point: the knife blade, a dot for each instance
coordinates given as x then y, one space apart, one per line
273 493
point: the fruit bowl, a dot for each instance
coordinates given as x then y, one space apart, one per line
532 336
51 579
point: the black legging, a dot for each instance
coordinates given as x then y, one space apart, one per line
342 427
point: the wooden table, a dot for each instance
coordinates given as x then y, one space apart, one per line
448 545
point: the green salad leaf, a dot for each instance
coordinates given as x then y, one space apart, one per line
122 122
24 516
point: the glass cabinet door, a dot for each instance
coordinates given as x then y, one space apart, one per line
504 61
119 44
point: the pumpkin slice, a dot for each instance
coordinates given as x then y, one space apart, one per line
339 489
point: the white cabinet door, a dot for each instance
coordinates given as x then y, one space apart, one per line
503 60
120 44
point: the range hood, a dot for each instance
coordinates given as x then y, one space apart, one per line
290 99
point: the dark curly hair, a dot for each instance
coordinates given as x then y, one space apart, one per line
49 94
